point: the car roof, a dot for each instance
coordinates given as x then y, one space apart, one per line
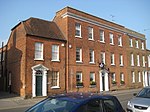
81 97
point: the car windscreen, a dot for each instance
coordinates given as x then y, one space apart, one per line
144 93
53 105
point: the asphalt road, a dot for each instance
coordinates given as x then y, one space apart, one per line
123 98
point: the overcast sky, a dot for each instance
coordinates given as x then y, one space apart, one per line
133 14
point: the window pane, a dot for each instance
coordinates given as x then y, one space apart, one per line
90 30
101 35
55 52
91 56
38 50
78 54
78 29
55 78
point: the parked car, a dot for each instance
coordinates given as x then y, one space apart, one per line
78 102
141 102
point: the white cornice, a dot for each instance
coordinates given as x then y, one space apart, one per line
84 19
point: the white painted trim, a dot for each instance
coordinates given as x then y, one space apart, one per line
106 78
44 79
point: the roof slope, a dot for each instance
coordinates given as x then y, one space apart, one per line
42 28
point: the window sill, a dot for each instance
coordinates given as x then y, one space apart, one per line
102 42
55 60
121 65
91 39
78 36
112 44
120 45
80 62
36 59
92 62
112 64
55 87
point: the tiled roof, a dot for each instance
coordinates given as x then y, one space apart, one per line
43 29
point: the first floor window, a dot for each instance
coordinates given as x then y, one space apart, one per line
55 79
38 51
78 55
102 39
102 56
91 56
122 77
112 59
55 53
111 38
121 60
90 33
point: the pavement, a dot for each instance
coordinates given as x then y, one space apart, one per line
10 101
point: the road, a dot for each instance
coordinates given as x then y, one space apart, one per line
123 98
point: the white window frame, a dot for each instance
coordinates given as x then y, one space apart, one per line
139 76
121 77
57 85
130 42
121 60
143 58
92 74
137 43
80 54
132 59
102 36
119 40
90 33
113 77
38 50
91 54
78 29
133 77
111 36
55 53
102 54
80 76
138 60
143 46
112 57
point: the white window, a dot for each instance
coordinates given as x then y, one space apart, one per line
149 61
137 44
113 77
102 38
90 33
121 60
142 45
133 77
38 51
138 60
112 57
55 79
91 56
121 77
143 57
111 38
77 29
78 55
79 77
130 42
55 53
139 76
119 41
102 56
92 77
132 60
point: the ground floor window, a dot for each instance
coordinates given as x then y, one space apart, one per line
55 79
79 79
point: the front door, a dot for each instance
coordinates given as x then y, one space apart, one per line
38 85
103 82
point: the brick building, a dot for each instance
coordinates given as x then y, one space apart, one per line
75 52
